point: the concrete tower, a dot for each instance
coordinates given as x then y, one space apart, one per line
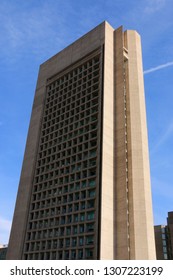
84 190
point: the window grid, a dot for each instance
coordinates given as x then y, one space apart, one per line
63 207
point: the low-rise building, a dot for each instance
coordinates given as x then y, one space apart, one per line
3 252
164 239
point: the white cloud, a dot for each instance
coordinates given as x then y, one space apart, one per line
5 226
159 67
154 6
37 30
14 34
164 137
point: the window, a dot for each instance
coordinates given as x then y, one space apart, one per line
163 236
163 230
92 183
89 253
90 227
91 193
48 244
90 215
83 184
76 218
83 205
81 228
62 220
76 207
69 219
54 244
81 241
66 255
164 242
91 204
82 217
89 240
68 231
164 249
73 254
53 255
61 231
75 230
80 254
74 241
67 242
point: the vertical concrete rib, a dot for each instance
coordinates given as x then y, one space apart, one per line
140 205
120 183
107 236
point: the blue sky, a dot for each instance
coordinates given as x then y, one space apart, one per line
32 31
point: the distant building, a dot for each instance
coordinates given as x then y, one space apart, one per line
3 252
164 239
170 234
161 240
84 191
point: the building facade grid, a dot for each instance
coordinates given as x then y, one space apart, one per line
63 207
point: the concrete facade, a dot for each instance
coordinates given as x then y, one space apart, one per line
88 111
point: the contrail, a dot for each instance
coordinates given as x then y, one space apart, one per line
158 67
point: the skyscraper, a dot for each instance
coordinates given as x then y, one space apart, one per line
84 190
